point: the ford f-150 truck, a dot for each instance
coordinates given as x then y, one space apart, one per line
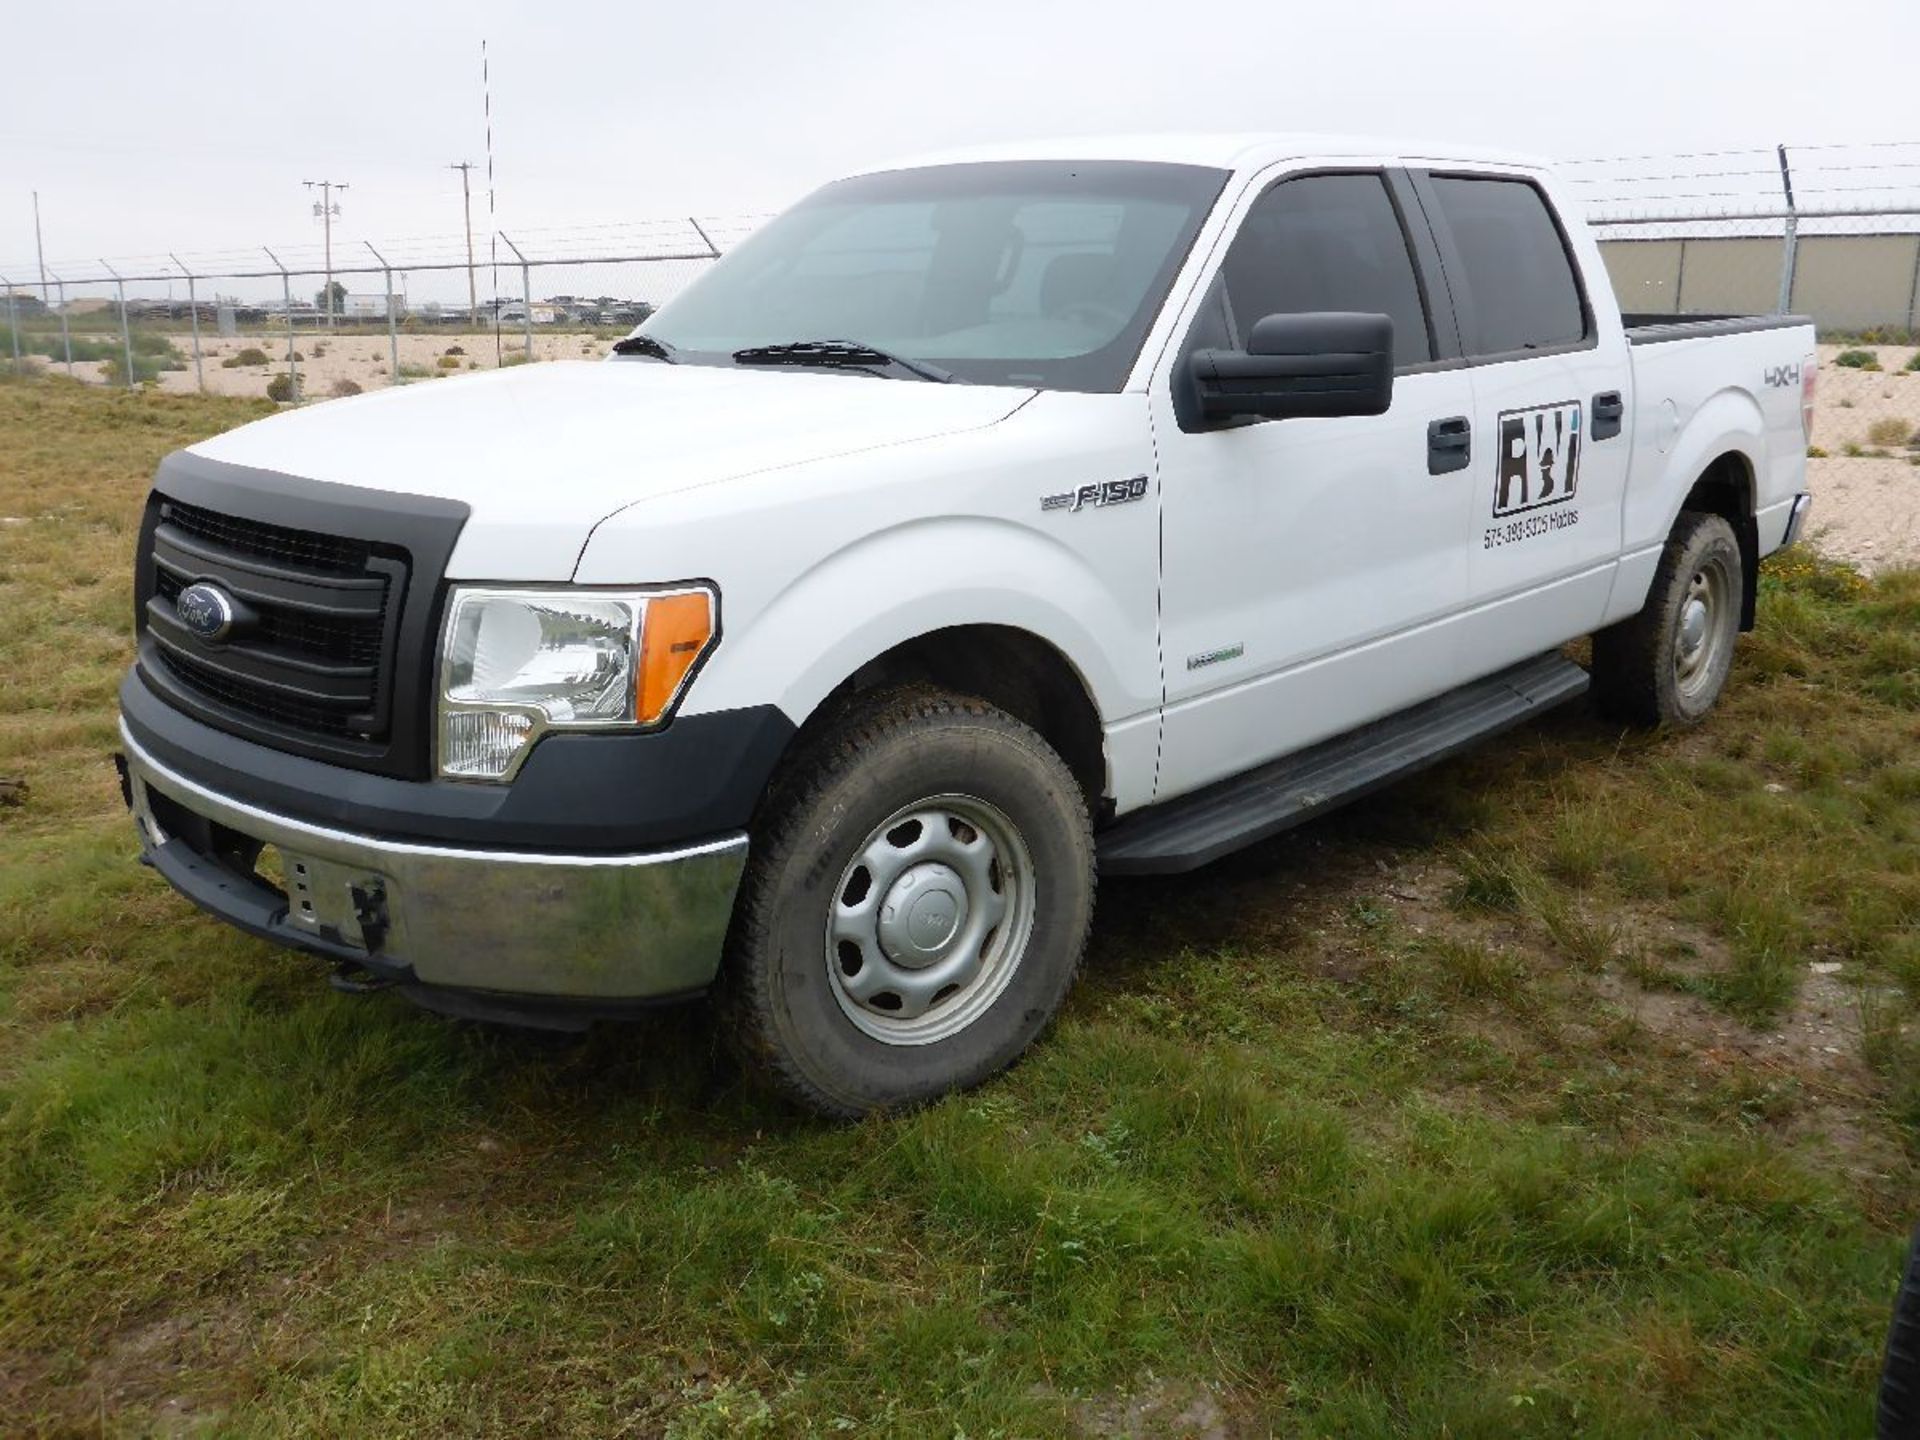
978 525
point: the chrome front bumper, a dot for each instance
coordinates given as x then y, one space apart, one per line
546 927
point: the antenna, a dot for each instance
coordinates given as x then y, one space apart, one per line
493 230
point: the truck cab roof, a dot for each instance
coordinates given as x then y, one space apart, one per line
1237 152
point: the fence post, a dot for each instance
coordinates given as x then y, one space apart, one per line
126 336
1790 248
526 294
393 333
66 335
286 291
1680 280
1913 293
193 313
13 326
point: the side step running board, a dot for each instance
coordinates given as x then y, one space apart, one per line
1195 829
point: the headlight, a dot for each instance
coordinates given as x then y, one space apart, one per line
517 663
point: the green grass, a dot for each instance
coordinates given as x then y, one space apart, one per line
1450 1114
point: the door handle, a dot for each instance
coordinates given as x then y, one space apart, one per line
1609 410
1449 445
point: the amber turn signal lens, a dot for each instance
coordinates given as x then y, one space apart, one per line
675 634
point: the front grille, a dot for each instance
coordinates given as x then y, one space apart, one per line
281 710
301 548
312 652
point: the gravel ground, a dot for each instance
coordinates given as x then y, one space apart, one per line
1866 509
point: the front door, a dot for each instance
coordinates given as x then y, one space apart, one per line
1306 562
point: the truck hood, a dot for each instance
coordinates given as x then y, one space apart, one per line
542 453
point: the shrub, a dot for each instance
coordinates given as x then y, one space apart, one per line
453 350
1888 431
1852 451
518 357
1914 363
343 388
252 355
1857 360
1814 452
280 390
146 368
448 362
410 371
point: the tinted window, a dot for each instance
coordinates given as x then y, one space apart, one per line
1327 242
1521 293
1014 273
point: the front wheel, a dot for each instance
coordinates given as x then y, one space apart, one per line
915 905
1668 664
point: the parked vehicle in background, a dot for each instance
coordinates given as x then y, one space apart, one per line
974 526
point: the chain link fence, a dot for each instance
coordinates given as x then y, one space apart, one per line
1828 231
303 324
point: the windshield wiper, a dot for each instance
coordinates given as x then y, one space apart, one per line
644 345
851 353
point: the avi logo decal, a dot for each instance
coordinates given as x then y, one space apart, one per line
1112 492
1539 457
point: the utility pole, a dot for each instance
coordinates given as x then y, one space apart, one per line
327 211
466 204
39 249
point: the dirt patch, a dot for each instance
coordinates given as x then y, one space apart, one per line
1162 1410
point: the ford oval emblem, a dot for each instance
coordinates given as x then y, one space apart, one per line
207 612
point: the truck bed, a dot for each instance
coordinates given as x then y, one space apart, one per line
1649 328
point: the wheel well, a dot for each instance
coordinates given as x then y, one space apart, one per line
1020 673
1725 488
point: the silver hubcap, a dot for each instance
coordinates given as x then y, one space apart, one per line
1702 636
930 920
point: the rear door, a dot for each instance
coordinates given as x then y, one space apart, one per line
1549 394
1308 561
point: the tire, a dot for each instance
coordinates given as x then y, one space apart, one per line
1668 664
917 898
1897 1416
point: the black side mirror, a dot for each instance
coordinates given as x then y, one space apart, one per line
1331 362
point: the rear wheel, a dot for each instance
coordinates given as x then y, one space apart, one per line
1668 664
915 905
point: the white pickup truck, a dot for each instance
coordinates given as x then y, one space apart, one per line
977 525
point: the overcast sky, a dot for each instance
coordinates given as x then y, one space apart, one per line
189 127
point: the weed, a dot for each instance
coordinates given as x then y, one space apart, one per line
282 390
1889 430
1814 452
1857 360
344 387
240 359
448 362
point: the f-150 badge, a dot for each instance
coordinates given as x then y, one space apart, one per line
1539 457
1111 492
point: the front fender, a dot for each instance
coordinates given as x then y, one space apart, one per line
923 575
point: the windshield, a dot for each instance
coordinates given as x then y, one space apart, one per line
1037 273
